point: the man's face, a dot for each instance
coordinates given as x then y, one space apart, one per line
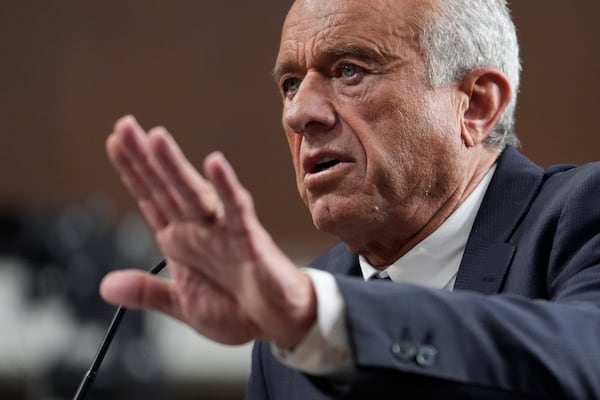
370 138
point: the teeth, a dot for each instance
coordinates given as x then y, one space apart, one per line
326 165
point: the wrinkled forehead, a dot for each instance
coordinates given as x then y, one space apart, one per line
378 22
331 14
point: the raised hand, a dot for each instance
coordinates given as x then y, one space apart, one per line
229 281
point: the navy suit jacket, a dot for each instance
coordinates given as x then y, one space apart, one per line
523 320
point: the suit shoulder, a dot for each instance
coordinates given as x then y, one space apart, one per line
338 259
574 177
571 187
332 253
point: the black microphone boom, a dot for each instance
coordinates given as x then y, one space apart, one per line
88 379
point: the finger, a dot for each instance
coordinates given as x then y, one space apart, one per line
190 244
134 184
140 290
137 149
130 152
237 202
154 216
196 196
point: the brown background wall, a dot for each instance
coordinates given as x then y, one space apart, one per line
69 68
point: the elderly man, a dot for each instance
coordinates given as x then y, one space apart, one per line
399 118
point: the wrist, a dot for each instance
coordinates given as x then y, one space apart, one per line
302 313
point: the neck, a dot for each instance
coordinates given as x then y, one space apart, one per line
384 242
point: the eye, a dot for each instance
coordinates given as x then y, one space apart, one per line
290 85
349 70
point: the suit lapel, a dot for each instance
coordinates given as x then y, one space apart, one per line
489 252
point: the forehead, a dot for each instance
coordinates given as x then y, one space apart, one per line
383 26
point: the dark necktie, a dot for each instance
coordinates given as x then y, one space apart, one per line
379 278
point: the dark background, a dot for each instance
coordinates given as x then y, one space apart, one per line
69 69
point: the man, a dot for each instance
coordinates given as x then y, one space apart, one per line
399 117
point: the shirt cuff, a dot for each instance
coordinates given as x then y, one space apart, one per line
324 350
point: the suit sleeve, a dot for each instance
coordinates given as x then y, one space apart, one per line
506 345
256 388
503 342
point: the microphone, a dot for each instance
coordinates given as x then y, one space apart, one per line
88 378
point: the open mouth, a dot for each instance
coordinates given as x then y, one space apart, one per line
314 164
324 166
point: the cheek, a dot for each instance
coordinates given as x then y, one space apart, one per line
401 145
294 143
390 132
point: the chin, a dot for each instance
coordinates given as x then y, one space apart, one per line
322 219
336 217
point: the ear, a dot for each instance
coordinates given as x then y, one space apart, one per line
487 92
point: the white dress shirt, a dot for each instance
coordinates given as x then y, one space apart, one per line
433 263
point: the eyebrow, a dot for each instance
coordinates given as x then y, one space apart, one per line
329 54
283 68
352 51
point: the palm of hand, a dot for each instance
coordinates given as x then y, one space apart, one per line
230 282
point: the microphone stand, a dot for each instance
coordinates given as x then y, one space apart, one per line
88 378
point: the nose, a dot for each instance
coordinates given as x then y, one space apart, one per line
311 108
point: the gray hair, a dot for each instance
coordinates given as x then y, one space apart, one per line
467 34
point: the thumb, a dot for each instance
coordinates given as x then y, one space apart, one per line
139 290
